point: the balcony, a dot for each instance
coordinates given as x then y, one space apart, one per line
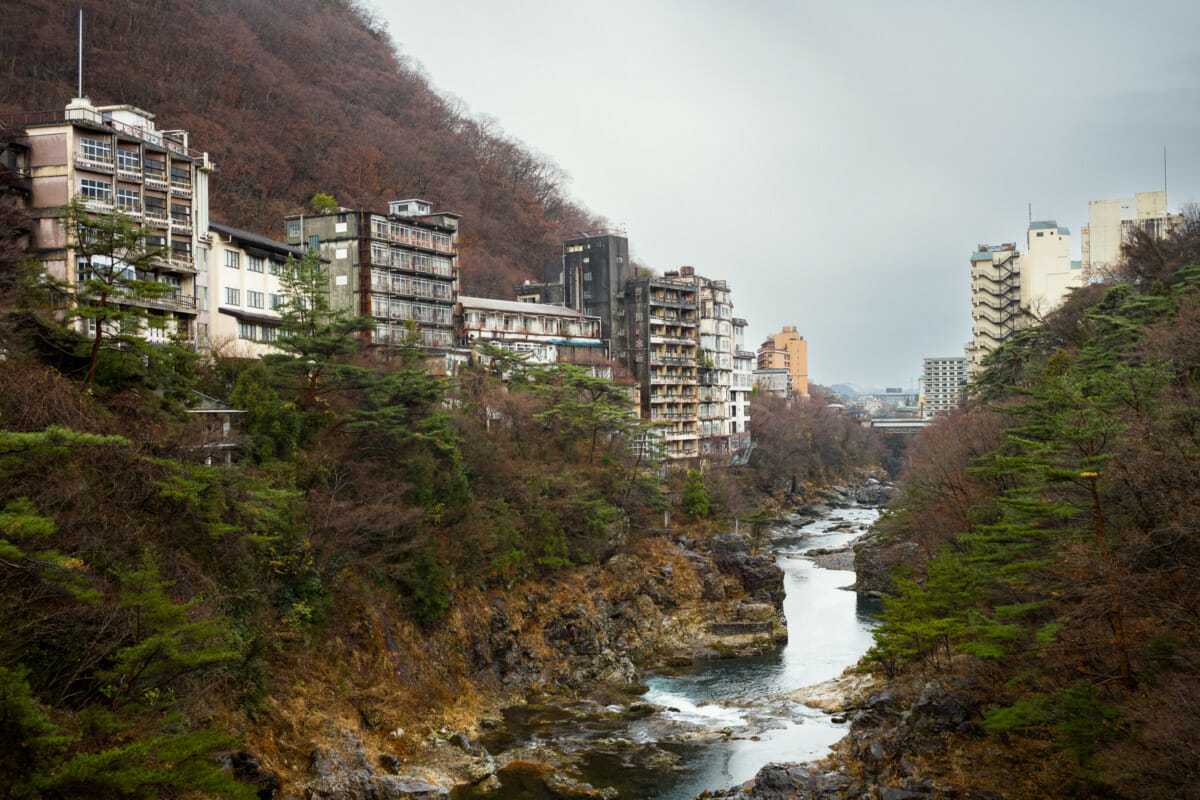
179 263
98 206
173 302
95 163
180 189
156 180
181 224
156 219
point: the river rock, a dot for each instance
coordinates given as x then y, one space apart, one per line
345 772
246 768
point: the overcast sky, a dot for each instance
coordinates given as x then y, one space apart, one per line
837 161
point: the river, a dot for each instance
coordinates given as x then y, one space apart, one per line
727 718
829 628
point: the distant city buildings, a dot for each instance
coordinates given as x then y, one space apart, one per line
945 385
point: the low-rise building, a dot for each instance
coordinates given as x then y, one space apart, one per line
546 333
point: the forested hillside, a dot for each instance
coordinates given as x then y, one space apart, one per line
1050 543
292 98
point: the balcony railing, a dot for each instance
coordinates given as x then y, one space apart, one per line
156 180
181 224
181 189
95 163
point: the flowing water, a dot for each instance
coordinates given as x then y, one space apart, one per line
829 628
728 718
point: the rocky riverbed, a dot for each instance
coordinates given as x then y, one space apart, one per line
579 652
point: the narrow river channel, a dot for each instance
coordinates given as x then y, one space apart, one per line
727 718
829 628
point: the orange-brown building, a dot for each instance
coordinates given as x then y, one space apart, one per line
787 350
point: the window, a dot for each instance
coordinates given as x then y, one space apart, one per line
276 268
269 333
181 213
129 200
275 300
254 263
95 190
233 297
181 175
254 299
96 149
246 330
156 206
181 250
155 169
129 160
293 229
233 259
314 242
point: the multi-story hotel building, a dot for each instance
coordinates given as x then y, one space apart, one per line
1011 290
787 350
400 268
995 299
1110 222
739 390
945 384
590 278
661 316
715 365
116 160
240 295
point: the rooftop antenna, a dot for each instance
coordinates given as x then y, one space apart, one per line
1164 169
80 92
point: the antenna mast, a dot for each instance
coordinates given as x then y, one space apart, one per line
1164 169
80 93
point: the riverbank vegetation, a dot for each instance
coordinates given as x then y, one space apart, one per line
1052 536
374 520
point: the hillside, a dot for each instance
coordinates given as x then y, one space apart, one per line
293 98
1042 638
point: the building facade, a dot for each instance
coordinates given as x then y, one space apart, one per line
662 317
590 278
1047 272
1110 222
787 350
739 390
546 333
115 160
945 385
399 268
996 311
240 295
715 365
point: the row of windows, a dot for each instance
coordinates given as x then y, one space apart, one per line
233 297
233 259
258 333
101 150
396 232
403 309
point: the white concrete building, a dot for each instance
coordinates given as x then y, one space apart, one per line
739 390
945 385
240 300
1047 272
1111 221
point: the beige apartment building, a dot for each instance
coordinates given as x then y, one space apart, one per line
116 160
1111 221
787 350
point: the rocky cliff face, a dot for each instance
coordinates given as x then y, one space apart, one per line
586 635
